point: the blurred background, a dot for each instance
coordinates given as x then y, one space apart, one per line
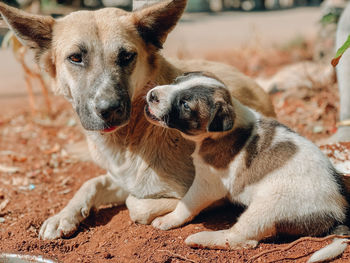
286 45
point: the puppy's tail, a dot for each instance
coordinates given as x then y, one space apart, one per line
334 249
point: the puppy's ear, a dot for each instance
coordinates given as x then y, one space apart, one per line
155 22
222 118
34 31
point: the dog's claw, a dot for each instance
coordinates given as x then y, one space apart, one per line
60 225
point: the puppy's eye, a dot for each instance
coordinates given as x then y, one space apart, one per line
185 105
76 58
125 58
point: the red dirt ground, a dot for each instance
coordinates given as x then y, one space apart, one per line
46 179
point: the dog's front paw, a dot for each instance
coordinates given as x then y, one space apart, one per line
218 240
140 210
168 221
60 225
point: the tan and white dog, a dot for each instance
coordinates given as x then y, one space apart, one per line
102 62
286 183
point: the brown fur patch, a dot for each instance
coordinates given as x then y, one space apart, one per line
220 152
223 115
262 158
269 128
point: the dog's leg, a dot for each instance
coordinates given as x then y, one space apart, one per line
143 211
253 225
202 193
93 193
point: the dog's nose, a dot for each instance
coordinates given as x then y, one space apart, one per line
153 98
107 110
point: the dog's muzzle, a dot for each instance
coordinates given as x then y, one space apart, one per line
112 112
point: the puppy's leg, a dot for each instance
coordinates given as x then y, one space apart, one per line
93 193
143 211
202 193
252 226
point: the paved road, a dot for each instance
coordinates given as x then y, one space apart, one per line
199 32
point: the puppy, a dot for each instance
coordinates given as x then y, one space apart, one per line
285 182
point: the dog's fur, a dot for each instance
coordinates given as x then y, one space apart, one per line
104 62
286 183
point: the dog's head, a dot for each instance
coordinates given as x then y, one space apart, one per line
98 59
196 103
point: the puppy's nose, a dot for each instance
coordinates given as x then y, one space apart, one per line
153 97
108 110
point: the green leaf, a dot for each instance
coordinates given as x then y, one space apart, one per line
341 51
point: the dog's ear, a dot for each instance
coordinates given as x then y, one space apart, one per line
34 31
222 117
155 22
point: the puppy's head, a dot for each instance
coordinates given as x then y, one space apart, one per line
98 59
196 103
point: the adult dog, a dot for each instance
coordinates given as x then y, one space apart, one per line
103 62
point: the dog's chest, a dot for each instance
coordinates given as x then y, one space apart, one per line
132 172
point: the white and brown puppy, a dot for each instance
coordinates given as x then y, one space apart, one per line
286 183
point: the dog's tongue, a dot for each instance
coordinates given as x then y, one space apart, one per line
110 129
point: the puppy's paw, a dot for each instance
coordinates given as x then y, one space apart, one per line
60 225
218 240
168 221
140 210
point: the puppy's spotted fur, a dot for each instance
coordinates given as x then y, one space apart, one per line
287 185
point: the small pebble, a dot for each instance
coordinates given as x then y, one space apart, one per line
2 220
31 187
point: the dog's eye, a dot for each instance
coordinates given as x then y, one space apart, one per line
185 105
76 58
125 58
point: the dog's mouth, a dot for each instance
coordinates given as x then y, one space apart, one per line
150 115
109 129
154 119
